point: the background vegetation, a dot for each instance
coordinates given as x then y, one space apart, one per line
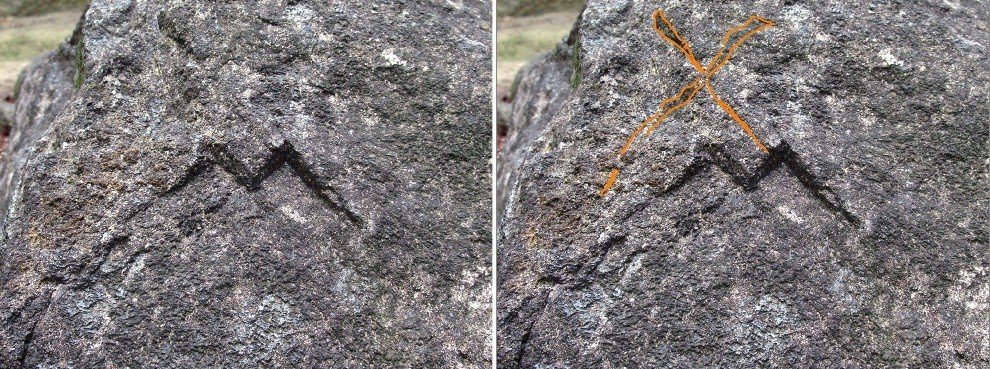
24 8
29 28
527 28
518 8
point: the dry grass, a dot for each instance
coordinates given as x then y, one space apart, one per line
520 8
24 8
23 38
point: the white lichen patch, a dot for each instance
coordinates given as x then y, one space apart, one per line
972 289
456 5
392 59
887 55
797 16
293 214
136 267
868 119
790 214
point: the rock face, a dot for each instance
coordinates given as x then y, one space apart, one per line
540 88
858 240
277 184
46 85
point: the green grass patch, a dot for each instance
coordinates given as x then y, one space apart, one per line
576 79
17 85
80 64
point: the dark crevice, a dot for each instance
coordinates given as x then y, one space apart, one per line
130 264
78 276
22 356
605 248
600 255
629 259
284 154
524 340
199 166
781 154
174 31
106 250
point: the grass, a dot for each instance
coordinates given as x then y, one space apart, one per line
22 46
24 8
519 39
576 78
23 38
519 8
80 67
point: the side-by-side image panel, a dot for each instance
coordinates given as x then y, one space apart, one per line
494 184
277 184
744 185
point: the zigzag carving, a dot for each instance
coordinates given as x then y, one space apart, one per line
214 154
284 154
780 155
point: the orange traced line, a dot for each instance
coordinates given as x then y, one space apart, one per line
696 86
732 113
660 114
739 42
684 46
610 182
703 80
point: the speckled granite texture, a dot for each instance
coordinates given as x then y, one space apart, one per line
709 253
274 184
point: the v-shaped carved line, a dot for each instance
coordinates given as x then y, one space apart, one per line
284 154
780 155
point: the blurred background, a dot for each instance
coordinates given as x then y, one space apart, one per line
525 29
31 27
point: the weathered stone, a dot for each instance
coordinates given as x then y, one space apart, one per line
859 241
275 184
46 85
539 89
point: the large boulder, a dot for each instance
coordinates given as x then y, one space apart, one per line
46 85
539 89
859 239
238 185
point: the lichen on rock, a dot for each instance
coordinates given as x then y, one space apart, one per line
243 185
859 240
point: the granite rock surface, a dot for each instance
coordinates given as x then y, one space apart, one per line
295 184
858 240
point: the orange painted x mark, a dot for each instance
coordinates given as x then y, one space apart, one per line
733 38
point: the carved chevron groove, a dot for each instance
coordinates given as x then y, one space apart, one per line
284 154
780 155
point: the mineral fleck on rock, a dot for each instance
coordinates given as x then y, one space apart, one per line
860 240
240 185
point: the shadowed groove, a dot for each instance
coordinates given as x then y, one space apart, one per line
28 341
284 154
780 155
